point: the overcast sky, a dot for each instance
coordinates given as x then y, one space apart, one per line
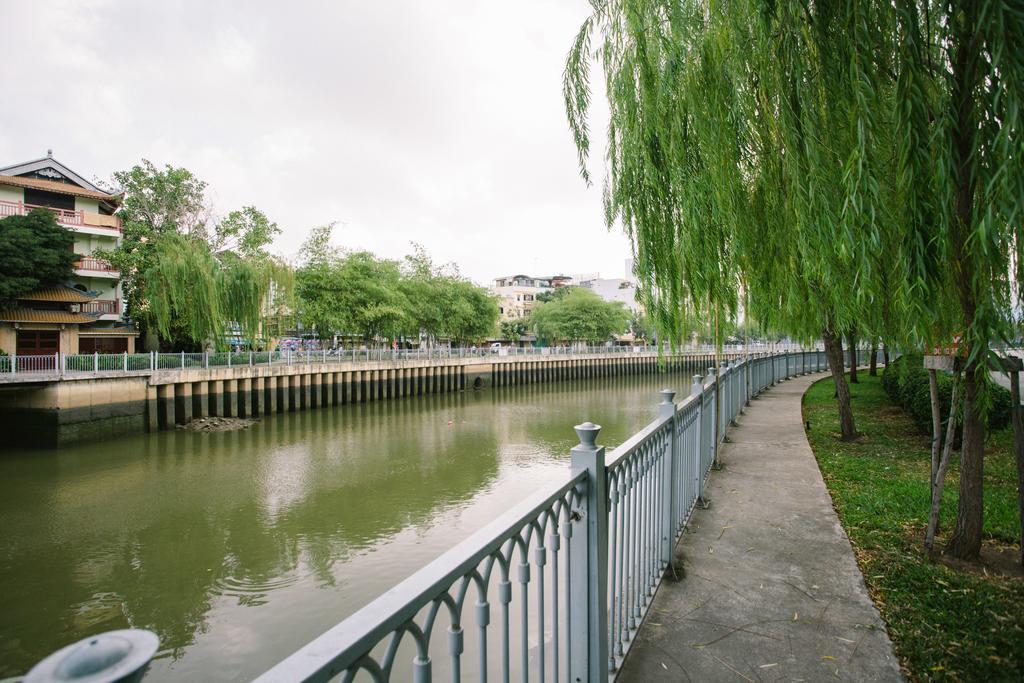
439 121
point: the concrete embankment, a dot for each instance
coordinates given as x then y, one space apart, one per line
69 410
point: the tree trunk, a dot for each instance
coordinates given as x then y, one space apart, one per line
933 395
851 340
1018 447
834 352
939 465
873 370
966 541
885 355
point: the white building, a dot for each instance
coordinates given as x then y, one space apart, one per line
517 294
86 313
614 289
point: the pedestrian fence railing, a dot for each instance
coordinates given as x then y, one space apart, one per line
557 587
67 364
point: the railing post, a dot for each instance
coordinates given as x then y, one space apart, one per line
667 411
697 390
126 361
95 361
748 379
715 434
588 592
727 371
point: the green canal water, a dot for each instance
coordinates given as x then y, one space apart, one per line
237 548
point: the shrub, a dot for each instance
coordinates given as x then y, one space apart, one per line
906 383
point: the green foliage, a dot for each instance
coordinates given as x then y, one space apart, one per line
35 251
851 166
945 625
577 314
247 232
357 293
186 277
512 329
906 383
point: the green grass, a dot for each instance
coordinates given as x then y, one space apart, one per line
945 624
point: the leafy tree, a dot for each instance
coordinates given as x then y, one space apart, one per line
185 275
359 293
578 315
512 329
35 251
370 297
353 292
247 233
472 313
639 325
848 167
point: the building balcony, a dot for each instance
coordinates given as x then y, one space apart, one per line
104 307
82 221
89 266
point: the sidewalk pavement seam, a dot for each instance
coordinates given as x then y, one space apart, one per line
770 589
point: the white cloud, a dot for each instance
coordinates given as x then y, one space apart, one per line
437 122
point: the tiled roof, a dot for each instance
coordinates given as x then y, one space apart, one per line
58 293
61 188
29 315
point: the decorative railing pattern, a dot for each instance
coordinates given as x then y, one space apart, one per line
64 216
62 363
573 571
93 263
103 306
20 209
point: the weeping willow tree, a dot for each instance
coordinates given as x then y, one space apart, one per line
195 293
840 166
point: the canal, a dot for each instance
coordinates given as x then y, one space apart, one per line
237 548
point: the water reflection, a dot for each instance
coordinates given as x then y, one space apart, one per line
238 547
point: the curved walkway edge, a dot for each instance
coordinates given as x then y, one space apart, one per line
769 588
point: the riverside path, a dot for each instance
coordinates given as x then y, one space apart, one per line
770 588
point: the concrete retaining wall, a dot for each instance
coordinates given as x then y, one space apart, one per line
73 410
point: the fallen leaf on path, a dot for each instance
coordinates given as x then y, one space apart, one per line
828 658
768 666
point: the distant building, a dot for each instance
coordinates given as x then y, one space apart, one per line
85 314
517 294
614 289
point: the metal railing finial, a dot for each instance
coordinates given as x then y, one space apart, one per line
587 434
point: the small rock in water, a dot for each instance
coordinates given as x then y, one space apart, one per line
218 424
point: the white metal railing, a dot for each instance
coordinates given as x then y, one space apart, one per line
65 364
572 571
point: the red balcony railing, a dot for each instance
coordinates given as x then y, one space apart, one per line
104 306
63 215
92 263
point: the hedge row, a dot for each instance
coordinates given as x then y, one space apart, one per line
906 383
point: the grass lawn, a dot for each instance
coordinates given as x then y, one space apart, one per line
946 624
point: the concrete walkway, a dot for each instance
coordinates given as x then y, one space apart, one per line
771 589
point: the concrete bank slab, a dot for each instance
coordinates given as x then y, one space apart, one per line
770 588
